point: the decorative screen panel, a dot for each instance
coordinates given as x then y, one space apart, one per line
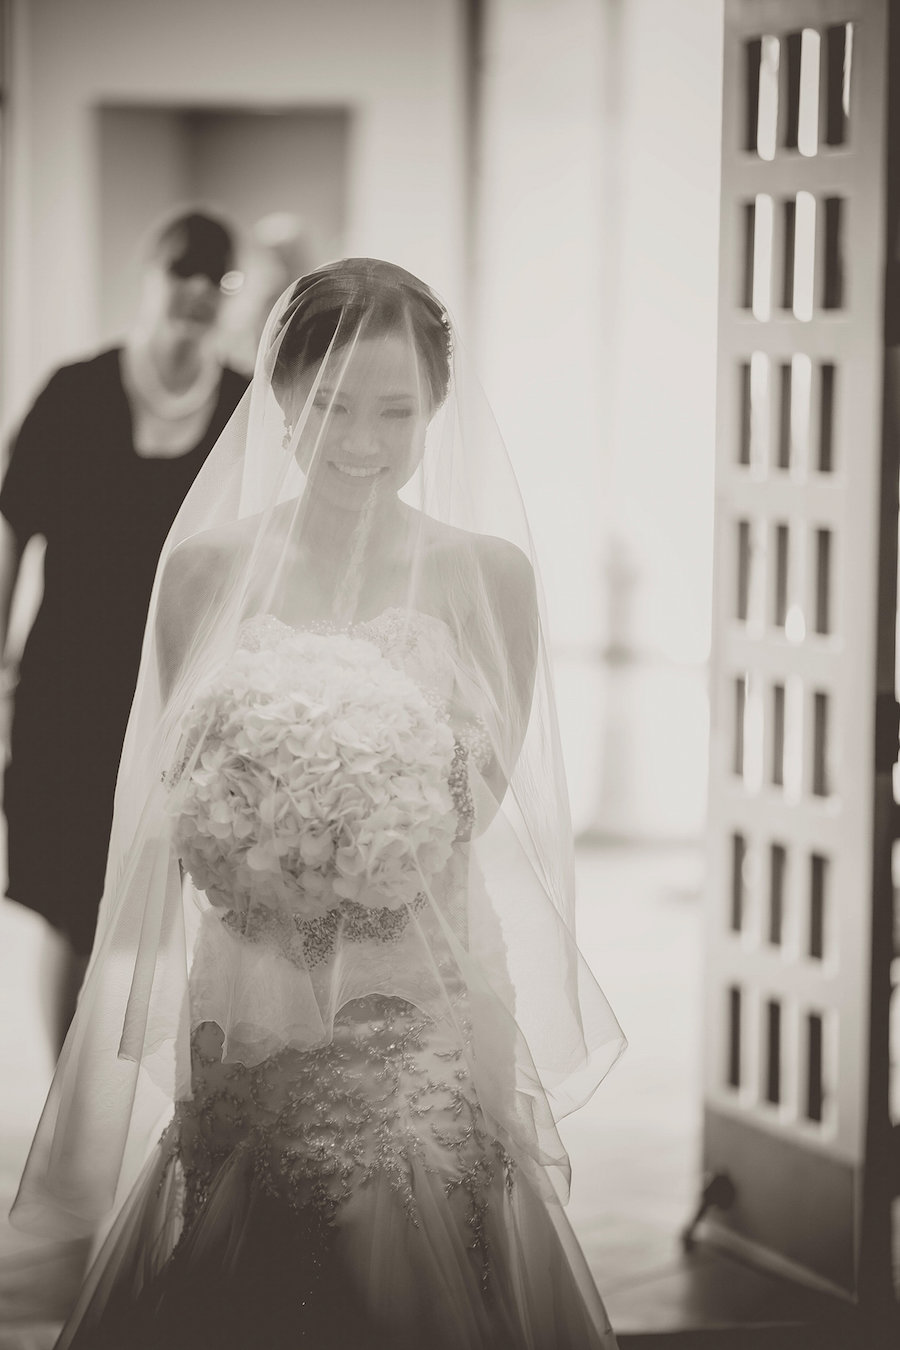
792 774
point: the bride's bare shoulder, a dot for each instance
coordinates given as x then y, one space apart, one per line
502 566
200 564
207 545
194 582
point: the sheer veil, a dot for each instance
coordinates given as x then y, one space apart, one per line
360 487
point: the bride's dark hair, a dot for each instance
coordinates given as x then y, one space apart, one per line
361 297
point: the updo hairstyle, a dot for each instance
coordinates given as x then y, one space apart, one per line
328 307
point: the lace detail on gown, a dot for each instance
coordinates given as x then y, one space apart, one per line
413 641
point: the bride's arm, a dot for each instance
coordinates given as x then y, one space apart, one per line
221 573
512 598
177 613
502 649
193 585
207 578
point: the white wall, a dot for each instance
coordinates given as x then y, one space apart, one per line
298 162
664 390
541 251
663 402
141 172
597 289
397 63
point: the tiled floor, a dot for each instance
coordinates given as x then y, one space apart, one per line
634 1147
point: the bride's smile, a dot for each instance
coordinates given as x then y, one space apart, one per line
367 423
358 470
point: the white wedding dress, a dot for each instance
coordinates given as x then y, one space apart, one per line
351 1194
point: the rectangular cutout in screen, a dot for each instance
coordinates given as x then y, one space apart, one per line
827 385
782 562
738 896
752 61
820 745
778 735
815 1085
838 76
792 45
818 882
785 406
748 218
733 1068
744 561
740 715
744 413
773 1051
823 581
789 230
777 872
833 254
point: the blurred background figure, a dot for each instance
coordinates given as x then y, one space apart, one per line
99 468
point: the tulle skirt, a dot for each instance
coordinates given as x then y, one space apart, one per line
352 1197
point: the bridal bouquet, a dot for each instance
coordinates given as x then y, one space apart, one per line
314 772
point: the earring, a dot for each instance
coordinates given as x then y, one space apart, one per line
286 438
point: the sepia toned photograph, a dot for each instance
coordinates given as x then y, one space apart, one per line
449 692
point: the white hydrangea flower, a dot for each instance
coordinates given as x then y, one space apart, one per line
314 772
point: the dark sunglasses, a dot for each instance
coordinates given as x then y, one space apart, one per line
193 265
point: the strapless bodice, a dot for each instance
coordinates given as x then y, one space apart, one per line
418 643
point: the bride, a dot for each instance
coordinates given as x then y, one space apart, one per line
335 1005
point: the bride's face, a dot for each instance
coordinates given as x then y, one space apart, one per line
366 416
